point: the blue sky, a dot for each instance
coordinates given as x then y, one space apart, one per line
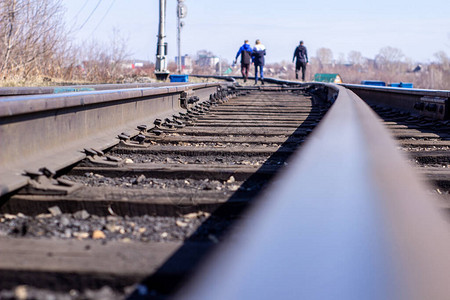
418 28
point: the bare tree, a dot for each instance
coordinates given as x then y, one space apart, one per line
355 58
32 34
8 11
104 63
34 44
443 59
389 57
118 52
324 56
390 65
341 59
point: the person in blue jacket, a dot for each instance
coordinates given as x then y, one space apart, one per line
259 51
246 53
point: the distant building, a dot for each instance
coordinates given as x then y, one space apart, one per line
135 64
186 61
206 59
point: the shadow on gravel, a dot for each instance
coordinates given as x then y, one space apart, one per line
165 282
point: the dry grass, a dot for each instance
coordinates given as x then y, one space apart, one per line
40 81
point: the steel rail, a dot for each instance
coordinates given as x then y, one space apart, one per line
430 103
219 77
433 104
52 130
347 219
22 91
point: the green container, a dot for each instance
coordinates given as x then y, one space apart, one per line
327 77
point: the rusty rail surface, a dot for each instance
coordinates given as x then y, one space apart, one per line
51 131
347 219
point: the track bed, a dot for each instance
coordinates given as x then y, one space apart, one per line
151 218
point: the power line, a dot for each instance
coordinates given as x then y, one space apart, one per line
81 9
104 16
90 15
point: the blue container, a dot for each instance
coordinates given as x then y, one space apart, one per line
179 78
373 82
406 85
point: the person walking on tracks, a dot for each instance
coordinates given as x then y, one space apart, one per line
246 55
259 51
301 54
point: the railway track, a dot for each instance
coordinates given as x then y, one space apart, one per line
348 214
164 200
237 181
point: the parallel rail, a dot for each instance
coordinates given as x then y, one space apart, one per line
52 130
428 103
24 91
432 104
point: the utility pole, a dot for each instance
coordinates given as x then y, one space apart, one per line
161 71
181 13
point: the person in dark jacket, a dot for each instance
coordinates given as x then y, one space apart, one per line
258 59
246 55
302 59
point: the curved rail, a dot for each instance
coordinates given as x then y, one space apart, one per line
348 219
433 104
51 131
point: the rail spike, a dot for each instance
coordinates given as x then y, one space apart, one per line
43 183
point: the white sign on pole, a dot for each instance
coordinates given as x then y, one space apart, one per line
182 10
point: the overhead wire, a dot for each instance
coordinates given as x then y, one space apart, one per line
104 16
80 10
90 15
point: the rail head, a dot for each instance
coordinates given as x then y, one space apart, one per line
397 90
23 91
347 219
10 106
433 104
51 131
